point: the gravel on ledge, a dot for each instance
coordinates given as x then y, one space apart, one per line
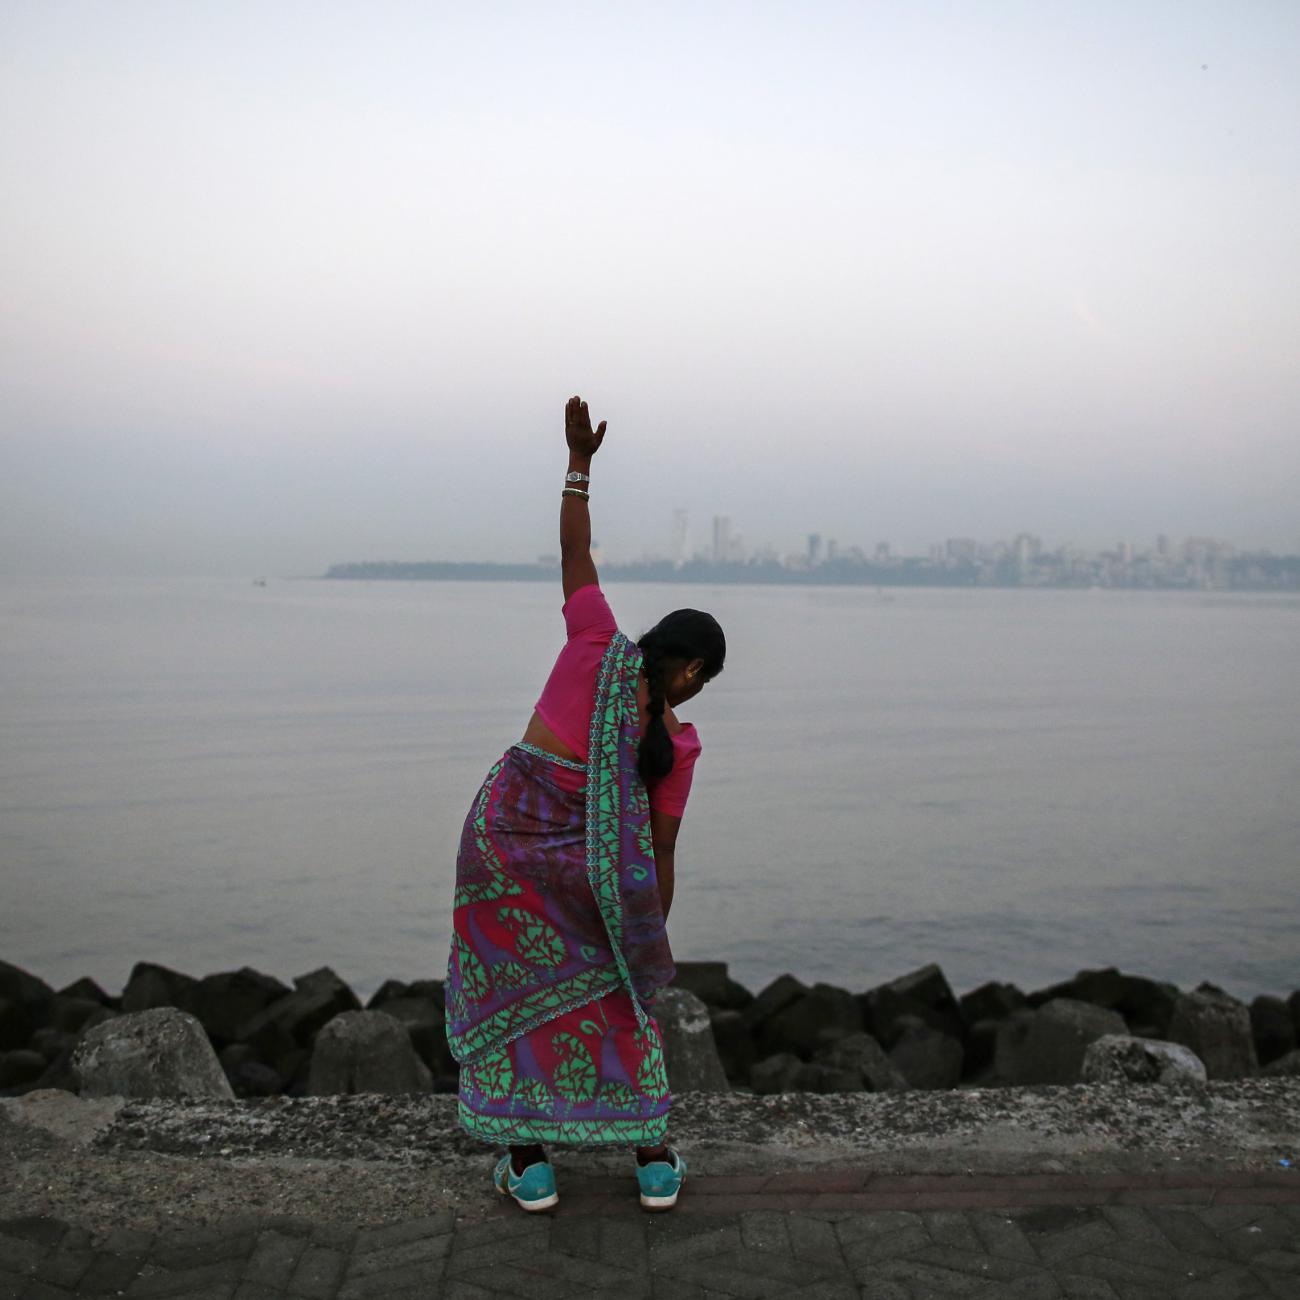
372 1158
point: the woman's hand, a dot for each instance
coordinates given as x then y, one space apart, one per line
577 429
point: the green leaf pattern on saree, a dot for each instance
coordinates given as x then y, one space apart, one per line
494 1074
575 1075
652 1077
510 974
618 1096
535 941
473 976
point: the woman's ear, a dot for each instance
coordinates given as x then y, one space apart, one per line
694 669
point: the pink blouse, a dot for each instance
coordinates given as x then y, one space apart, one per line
570 694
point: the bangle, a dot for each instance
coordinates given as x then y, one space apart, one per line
574 477
576 492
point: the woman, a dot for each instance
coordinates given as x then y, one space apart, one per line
564 879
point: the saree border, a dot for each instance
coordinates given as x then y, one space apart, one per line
604 828
506 1129
527 1013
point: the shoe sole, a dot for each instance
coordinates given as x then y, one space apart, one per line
543 1203
661 1202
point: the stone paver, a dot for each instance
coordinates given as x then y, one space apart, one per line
1103 1237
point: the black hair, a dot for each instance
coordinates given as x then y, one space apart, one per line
684 634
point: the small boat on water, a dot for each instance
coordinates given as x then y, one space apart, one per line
259 582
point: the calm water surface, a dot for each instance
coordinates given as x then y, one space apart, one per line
1016 784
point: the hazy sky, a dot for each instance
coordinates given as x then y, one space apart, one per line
289 284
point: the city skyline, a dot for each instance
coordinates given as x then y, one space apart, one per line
727 546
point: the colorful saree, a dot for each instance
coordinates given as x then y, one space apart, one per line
559 942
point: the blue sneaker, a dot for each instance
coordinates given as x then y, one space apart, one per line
661 1180
534 1189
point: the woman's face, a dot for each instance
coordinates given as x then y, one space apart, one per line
683 680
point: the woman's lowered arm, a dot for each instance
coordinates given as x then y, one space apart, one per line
663 833
576 565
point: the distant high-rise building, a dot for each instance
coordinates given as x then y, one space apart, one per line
1025 548
1125 551
882 550
721 539
681 537
961 550
832 549
1162 544
814 548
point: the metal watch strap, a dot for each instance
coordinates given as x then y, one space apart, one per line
574 477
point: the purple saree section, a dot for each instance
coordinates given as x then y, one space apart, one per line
556 899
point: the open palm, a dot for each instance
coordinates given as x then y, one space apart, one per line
577 428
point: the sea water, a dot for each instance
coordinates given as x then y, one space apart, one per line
1015 784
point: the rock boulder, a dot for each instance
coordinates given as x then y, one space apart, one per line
979 1048
388 989
773 998
21 1068
161 1052
86 987
709 981
25 1004
924 1056
150 985
860 1054
1271 1027
70 1015
1145 1004
776 1073
735 1043
690 1052
294 1019
1285 1067
226 1000
1216 1026
1122 1058
991 1001
425 1022
431 989
365 1051
798 1025
1047 1045
924 993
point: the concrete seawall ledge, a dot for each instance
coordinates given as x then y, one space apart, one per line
1100 1190
370 1159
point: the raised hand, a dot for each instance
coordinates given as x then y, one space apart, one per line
577 429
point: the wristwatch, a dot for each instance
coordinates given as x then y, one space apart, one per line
574 477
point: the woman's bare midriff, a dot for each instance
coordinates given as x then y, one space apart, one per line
539 734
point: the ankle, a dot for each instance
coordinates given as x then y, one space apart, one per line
522 1157
647 1155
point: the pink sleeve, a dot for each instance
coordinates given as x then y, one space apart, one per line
670 795
587 611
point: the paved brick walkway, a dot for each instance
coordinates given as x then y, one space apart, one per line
817 1236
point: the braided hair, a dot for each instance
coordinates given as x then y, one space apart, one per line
684 634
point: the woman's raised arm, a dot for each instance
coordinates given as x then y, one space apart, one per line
576 565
